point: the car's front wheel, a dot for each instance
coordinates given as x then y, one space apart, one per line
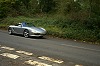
26 33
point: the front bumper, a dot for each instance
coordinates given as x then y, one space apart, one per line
37 34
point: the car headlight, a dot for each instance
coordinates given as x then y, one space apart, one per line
43 29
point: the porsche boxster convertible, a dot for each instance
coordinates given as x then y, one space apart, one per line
26 29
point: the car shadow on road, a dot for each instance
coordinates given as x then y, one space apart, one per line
31 37
38 37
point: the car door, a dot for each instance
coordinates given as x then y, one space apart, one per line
17 28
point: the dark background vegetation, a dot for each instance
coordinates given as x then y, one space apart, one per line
71 19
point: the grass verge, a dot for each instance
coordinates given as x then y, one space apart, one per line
61 28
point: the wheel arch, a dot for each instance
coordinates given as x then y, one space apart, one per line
27 30
9 28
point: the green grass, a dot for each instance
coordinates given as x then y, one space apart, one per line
61 28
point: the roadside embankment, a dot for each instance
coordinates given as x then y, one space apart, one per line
62 28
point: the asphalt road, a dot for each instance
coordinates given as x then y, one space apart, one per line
71 53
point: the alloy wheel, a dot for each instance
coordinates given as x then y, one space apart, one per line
26 34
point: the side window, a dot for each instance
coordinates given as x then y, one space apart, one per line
18 25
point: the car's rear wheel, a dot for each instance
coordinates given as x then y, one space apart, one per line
26 33
10 31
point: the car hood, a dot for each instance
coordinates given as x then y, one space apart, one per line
37 29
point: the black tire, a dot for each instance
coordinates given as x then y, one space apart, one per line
26 33
10 31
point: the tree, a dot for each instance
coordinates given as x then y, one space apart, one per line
46 5
95 6
25 2
4 8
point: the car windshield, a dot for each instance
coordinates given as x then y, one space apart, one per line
28 25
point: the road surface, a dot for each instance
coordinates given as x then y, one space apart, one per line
16 50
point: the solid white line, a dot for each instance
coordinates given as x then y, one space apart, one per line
80 47
30 39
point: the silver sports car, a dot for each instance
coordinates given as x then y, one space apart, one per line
26 29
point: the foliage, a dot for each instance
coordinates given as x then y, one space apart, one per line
25 7
46 5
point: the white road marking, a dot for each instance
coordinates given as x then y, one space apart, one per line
24 52
31 62
50 59
30 39
12 56
8 48
33 39
24 38
36 63
78 65
80 47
